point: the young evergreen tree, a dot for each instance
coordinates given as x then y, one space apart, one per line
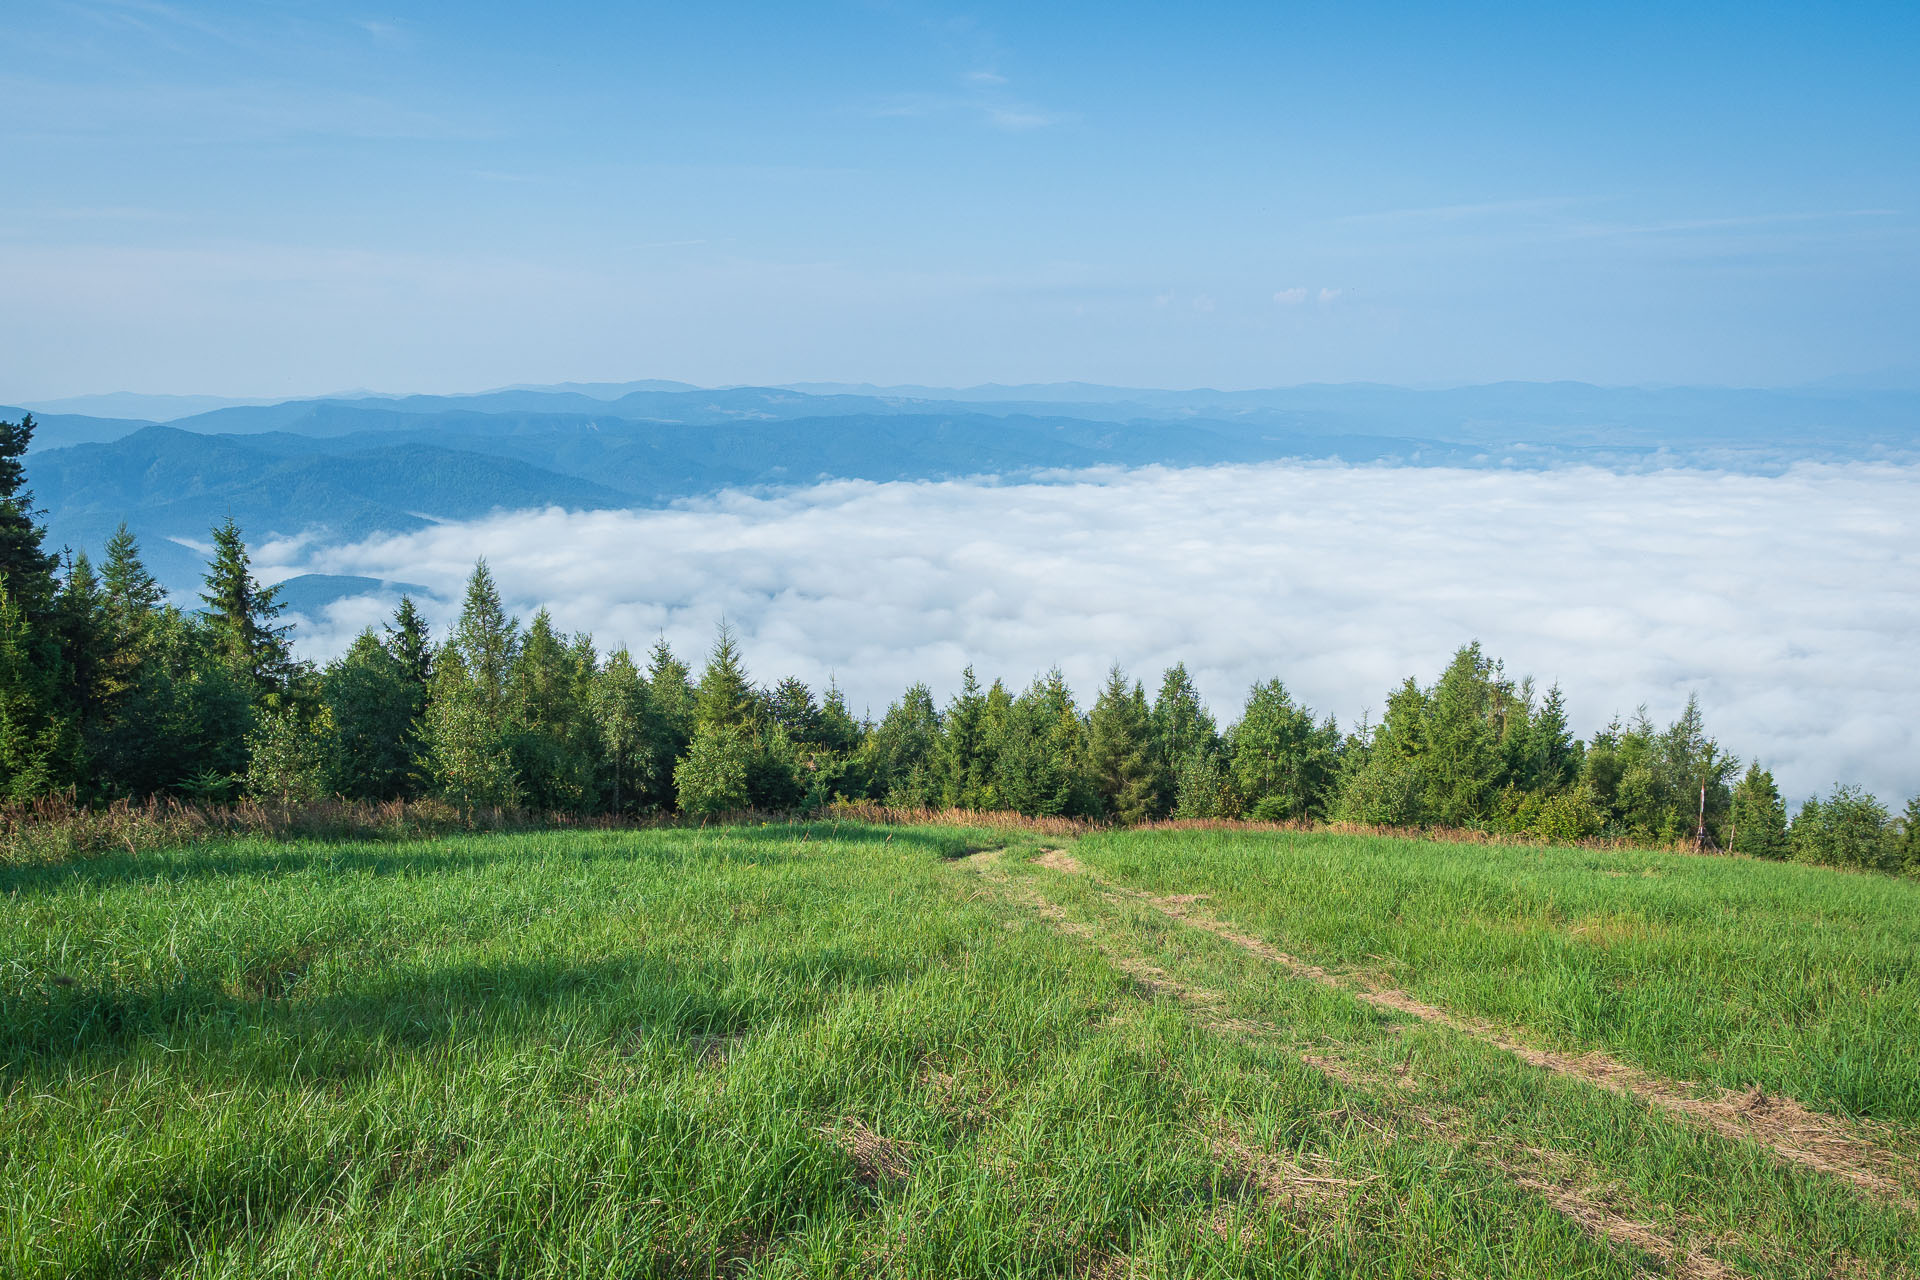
623 710
487 641
466 752
790 705
725 697
244 616
1463 734
670 689
1120 750
1847 829
839 731
553 736
711 779
1547 755
373 709
88 684
1029 775
964 768
411 644
132 606
1687 764
1909 842
1183 731
1284 764
1040 753
35 741
1758 823
26 567
131 591
901 751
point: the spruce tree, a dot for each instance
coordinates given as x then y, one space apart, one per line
839 731
725 698
902 749
1909 846
88 684
791 706
131 591
623 710
35 740
1462 730
466 754
1120 749
964 764
1284 764
373 708
1759 816
1553 752
670 690
712 778
410 643
244 615
553 735
1183 732
486 640
26 567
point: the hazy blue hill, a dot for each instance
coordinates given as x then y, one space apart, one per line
1769 424
172 486
144 408
350 467
309 594
58 430
337 416
652 461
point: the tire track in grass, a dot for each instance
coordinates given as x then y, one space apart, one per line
1823 1143
1587 1209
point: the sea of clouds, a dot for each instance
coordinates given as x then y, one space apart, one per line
1789 603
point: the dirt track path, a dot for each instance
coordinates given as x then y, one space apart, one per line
1794 1133
1577 1191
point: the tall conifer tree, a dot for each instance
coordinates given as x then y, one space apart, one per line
244 615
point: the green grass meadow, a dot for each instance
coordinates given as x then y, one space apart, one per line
837 1050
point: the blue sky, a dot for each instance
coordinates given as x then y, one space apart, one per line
283 198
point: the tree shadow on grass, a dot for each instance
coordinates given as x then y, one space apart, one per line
409 1010
247 857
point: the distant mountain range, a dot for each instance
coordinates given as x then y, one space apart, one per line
346 467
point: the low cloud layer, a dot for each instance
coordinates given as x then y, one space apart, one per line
1789 603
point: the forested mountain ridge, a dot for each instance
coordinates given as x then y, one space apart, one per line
395 472
170 486
338 469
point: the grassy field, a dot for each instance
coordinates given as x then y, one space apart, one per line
824 1050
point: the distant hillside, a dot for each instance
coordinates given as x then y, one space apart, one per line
58 430
345 468
172 486
309 594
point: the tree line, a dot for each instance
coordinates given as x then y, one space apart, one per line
109 691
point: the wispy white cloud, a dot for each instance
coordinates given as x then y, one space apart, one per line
1787 602
1291 297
